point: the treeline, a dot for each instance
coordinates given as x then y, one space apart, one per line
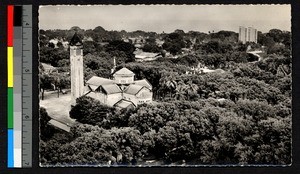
215 50
275 41
101 46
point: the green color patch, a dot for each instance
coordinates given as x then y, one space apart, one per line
10 108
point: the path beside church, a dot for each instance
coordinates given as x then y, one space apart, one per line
58 108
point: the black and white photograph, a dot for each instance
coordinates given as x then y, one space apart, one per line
165 85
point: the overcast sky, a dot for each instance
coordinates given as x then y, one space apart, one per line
167 18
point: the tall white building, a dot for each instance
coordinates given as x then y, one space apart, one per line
247 34
76 62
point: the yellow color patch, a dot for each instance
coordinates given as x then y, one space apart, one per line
10 67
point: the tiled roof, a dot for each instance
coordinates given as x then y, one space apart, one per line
98 81
93 87
93 95
143 82
111 88
123 103
59 125
124 71
133 89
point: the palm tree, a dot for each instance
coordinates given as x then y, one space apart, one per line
171 85
168 83
192 89
181 90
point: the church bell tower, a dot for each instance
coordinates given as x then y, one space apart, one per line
76 62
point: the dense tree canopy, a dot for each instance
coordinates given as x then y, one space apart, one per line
202 132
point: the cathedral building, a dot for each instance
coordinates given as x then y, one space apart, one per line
122 91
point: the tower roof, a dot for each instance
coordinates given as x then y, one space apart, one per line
124 71
75 41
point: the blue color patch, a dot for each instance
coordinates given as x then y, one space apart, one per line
10 148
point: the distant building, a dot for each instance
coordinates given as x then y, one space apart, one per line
159 42
47 68
138 45
141 56
247 34
201 69
54 42
87 39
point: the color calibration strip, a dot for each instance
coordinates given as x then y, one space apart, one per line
18 67
10 85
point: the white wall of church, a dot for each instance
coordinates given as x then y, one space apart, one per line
123 80
98 96
144 96
131 98
109 100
